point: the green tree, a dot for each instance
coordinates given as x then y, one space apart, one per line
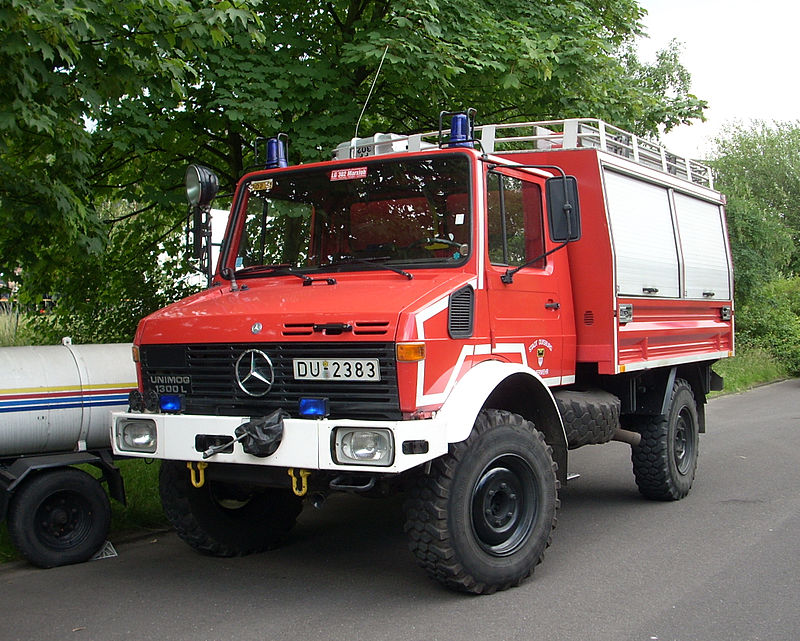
62 66
758 168
512 60
132 106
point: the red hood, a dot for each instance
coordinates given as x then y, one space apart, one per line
370 302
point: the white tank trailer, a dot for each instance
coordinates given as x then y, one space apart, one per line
55 412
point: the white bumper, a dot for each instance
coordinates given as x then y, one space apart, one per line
306 443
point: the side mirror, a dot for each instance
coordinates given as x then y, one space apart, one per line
563 209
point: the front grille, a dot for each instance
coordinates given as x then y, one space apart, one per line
212 387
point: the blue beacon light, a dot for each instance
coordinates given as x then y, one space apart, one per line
276 154
460 131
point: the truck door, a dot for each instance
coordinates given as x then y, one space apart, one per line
525 315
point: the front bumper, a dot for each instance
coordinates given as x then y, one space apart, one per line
306 443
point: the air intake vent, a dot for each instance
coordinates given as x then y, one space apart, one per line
588 317
359 328
461 313
298 329
370 328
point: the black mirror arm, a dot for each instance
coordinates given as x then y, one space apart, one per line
508 277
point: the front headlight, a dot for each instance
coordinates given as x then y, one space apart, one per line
136 435
359 446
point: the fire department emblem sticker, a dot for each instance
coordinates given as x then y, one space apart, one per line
541 346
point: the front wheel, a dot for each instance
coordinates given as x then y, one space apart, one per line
221 519
665 461
59 516
481 520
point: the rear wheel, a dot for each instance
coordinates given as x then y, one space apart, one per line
665 461
223 519
481 520
58 517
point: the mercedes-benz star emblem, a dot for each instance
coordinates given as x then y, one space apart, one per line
254 372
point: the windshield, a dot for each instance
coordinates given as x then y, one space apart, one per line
408 212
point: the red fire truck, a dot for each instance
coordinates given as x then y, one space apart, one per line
445 314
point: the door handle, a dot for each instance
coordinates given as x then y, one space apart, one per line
552 305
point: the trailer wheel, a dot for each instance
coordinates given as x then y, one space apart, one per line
221 519
58 517
665 461
481 520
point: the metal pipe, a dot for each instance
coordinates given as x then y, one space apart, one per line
626 436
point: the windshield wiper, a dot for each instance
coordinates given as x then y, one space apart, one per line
281 270
370 261
278 270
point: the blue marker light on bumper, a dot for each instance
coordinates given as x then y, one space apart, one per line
170 403
313 407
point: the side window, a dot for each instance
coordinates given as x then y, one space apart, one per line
516 229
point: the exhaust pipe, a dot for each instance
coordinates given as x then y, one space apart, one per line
626 436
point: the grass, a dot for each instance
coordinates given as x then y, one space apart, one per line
749 368
143 511
14 327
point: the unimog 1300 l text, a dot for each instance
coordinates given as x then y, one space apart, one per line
447 314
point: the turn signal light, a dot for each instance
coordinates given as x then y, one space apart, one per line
410 352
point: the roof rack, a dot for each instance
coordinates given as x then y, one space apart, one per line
571 133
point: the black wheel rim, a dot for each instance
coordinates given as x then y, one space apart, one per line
63 520
504 505
684 442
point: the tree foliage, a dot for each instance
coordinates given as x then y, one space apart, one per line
63 65
758 168
109 101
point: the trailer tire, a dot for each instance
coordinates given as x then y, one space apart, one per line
665 461
225 520
58 517
481 519
590 418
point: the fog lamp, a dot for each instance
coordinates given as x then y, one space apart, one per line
136 435
358 446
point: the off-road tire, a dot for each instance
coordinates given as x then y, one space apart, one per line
590 418
59 516
481 519
665 461
222 520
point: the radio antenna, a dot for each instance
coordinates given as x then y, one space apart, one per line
369 95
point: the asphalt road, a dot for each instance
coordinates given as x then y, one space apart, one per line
722 564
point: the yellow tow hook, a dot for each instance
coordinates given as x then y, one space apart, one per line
300 486
198 479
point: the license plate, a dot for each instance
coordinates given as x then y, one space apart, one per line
336 369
